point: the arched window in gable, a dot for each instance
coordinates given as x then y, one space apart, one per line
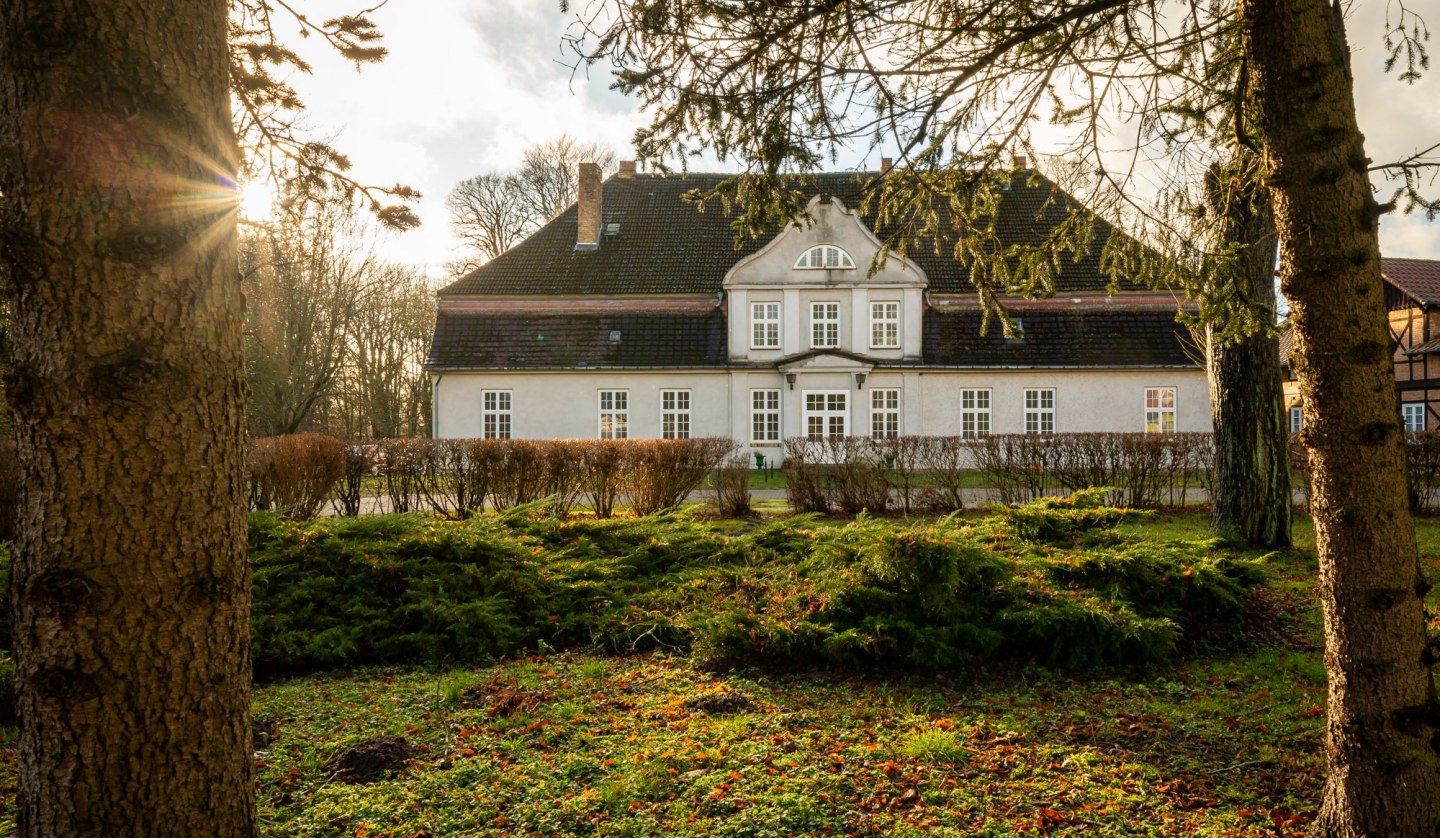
825 257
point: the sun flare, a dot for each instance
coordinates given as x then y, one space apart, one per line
257 200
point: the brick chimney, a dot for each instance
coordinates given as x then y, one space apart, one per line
627 169
885 164
1020 161
587 236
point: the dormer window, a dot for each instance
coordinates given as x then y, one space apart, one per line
825 257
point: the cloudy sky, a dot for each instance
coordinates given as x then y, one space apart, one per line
469 84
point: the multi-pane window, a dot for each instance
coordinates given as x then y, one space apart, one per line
884 414
764 325
884 325
1159 410
826 414
614 414
764 415
495 414
825 256
1414 415
1040 411
675 414
824 325
1297 419
974 413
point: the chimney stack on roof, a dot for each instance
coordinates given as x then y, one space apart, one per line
627 168
885 164
587 236
1021 161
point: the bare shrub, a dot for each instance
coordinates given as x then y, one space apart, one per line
349 490
564 468
804 476
520 473
663 472
1017 467
453 475
1422 449
295 473
399 463
603 463
732 487
905 458
947 461
857 480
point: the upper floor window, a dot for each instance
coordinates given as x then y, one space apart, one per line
764 325
1159 410
825 256
884 325
824 325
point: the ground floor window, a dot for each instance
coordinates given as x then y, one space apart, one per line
764 415
495 414
827 414
1159 410
974 413
1297 420
614 414
675 414
1040 411
1414 415
884 414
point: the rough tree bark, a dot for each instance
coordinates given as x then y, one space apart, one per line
1381 735
1251 499
131 587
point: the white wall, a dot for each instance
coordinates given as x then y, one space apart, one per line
559 405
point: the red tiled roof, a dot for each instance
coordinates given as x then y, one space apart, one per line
1420 278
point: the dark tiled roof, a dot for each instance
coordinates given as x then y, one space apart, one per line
1110 338
1420 278
1287 345
467 340
1430 347
667 246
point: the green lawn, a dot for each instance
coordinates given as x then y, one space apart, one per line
573 743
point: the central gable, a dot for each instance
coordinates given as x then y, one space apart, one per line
805 255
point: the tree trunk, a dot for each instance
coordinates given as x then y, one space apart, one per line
1381 735
1250 502
131 586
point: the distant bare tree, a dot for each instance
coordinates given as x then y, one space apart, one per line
490 212
493 211
307 278
387 393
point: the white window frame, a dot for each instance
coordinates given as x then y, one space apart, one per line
1297 419
614 414
1157 412
884 413
765 416
1040 410
765 328
1412 416
674 414
974 412
826 327
825 257
496 414
833 414
885 324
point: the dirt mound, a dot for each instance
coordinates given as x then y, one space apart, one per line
719 704
371 760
